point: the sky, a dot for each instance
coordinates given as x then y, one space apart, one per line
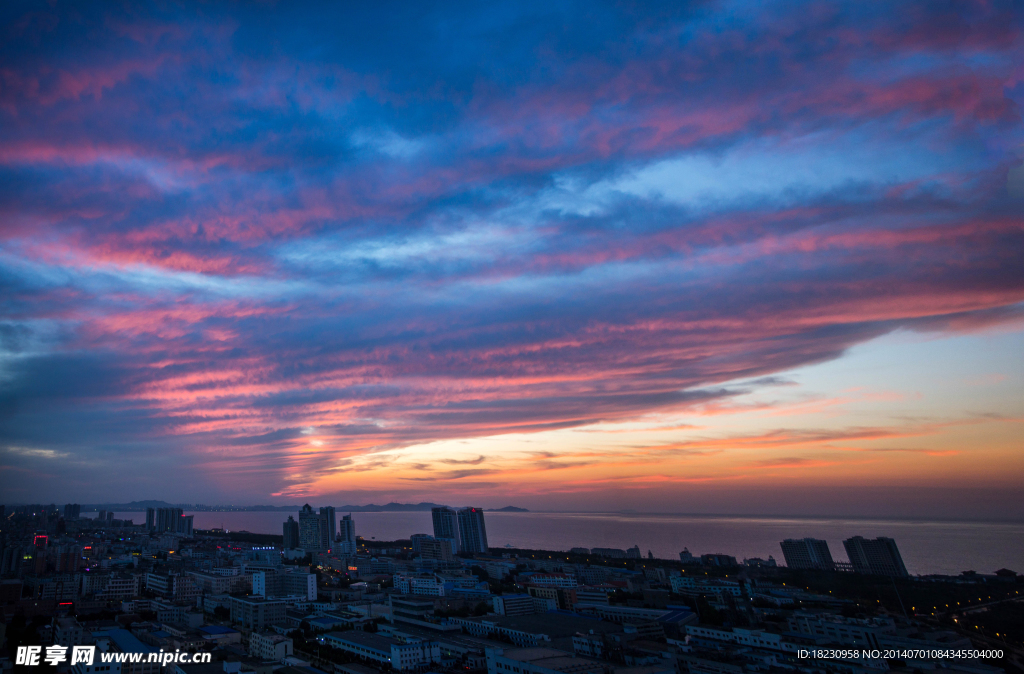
724 257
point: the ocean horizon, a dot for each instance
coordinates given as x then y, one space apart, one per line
927 546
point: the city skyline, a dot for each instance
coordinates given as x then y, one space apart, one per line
688 258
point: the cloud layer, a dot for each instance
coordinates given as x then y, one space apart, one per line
265 245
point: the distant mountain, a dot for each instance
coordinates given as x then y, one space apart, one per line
140 506
134 506
388 507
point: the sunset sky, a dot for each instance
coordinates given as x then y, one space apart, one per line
684 257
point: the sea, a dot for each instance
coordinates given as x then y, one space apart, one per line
927 547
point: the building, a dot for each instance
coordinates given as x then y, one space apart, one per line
514 604
172 586
554 597
72 511
122 586
284 582
220 635
171 520
166 519
327 514
68 632
446 525
427 585
850 631
400 655
411 610
539 660
150 519
807 553
472 532
123 641
436 549
215 584
346 536
416 539
686 557
97 667
257 613
879 557
556 629
611 553
718 559
552 580
316 532
175 614
291 533
269 646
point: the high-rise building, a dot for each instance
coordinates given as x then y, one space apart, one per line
879 557
72 511
446 525
314 532
445 521
167 519
291 533
309 528
346 535
472 532
102 516
332 524
807 553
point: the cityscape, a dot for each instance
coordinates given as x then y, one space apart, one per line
320 598
512 337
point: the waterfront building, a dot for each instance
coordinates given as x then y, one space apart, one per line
879 557
446 525
472 532
807 553
315 533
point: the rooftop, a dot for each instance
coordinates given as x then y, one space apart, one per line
128 643
551 624
366 639
550 658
